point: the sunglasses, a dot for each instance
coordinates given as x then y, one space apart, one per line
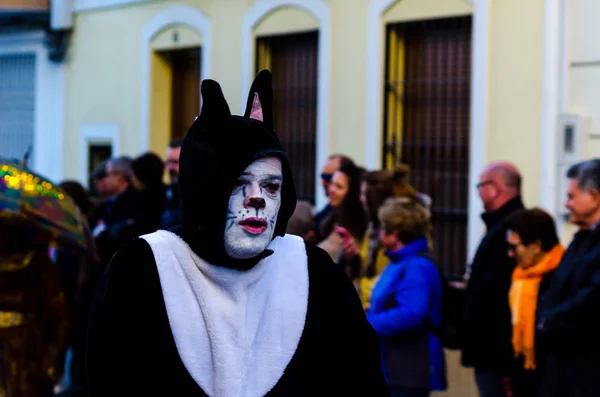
327 177
482 184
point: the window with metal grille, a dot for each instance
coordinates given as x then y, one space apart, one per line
17 104
293 61
426 123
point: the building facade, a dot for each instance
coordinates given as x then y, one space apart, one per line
33 41
444 85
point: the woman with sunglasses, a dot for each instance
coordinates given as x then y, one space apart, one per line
533 242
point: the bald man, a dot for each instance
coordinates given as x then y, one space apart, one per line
487 328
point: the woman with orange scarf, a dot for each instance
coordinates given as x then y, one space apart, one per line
534 244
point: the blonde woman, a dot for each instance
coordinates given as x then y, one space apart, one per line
406 303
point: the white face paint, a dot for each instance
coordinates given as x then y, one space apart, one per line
253 207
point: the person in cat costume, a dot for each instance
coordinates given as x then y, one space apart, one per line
228 305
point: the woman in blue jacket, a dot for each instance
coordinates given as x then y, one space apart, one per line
406 303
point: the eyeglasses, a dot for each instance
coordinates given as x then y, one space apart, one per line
513 247
327 177
483 183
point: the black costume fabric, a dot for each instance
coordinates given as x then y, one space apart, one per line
131 345
132 352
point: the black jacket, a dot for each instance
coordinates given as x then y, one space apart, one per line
570 320
486 331
131 350
118 215
172 214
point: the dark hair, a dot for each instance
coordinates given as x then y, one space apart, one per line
350 213
175 143
78 194
534 225
587 174
378 189
406 217
383 184
148 169
344 160
400 185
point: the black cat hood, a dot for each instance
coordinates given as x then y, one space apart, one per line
216 150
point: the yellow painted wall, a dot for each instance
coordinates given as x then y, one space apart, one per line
515 88
104 65
160 103
186 38
286 20
348 78
411 10
227 17
104 73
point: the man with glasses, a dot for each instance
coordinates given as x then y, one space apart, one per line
333 164
486 329
112 229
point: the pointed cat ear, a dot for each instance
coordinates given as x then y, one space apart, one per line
260 99
215 109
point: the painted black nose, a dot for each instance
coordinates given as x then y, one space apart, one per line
255 202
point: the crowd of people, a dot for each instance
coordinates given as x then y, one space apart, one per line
136 303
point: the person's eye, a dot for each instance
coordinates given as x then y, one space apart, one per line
272 188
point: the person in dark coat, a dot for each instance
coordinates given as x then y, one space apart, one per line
147 174
172 215
227 304
113 227
571 306
486 326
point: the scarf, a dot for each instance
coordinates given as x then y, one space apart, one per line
523 297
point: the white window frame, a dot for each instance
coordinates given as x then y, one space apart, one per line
92 133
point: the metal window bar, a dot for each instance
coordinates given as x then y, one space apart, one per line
293 61
17 104
426 123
